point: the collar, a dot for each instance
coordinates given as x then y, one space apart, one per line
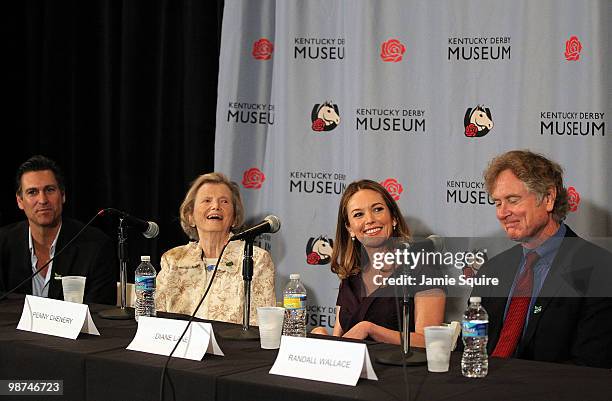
549 247
230 260
53 244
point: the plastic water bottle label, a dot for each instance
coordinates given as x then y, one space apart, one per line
294 301
474 328
145 283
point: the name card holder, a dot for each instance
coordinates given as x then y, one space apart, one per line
56 318
329 361
159 336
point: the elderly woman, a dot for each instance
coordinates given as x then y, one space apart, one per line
369 221
210 211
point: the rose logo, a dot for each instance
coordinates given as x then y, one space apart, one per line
318 125
573 47
573 198
392 51
313 258
262 49
471 130
253 178
394 188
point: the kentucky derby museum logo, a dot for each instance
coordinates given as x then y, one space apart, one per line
477 121
573 47
262 49
573 123
318 48
573 198
392 51
390 120
325 117
317 182
394 188
479 48
253 178
319 250
250 113
465 191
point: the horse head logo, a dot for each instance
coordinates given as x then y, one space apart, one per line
319 250
325 116
478 121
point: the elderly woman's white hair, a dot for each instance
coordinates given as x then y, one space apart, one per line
186 209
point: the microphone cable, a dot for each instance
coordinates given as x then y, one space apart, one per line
212 278
5 295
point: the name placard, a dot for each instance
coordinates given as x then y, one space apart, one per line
159 336
323 360
56 318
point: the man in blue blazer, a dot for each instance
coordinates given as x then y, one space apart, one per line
26 246
553 299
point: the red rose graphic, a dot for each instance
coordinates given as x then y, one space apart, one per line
392 51
253 178
393 187
313 258
471 130
318 125
573 198
573 47
262 49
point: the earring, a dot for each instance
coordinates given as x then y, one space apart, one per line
394 225
353 238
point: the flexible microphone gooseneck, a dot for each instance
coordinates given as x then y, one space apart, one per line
5 295
212 278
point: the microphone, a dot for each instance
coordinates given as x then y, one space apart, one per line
433 243
149 229
270 224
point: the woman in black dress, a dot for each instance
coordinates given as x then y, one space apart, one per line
370 222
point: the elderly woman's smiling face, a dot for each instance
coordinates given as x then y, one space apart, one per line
213 210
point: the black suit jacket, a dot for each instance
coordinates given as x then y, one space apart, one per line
91 255
571 320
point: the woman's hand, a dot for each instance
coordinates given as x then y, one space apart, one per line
360 331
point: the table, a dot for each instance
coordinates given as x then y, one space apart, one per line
100 368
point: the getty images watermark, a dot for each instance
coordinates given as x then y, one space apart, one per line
410 259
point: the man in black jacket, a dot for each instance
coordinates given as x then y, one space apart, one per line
554 301
26 246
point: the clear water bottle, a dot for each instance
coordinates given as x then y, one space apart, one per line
145 288
294 301
475 327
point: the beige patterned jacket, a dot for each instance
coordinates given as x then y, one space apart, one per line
183 279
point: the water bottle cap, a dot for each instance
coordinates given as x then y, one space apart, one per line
294 276
145 258
474 299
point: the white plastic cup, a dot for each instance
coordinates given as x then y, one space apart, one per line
438 347
270 321
74 287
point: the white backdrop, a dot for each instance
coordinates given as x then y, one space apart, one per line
399 78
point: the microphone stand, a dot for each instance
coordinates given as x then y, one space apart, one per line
121 313
407 356
245 332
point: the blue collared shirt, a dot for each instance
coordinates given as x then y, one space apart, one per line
547 252
40 285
